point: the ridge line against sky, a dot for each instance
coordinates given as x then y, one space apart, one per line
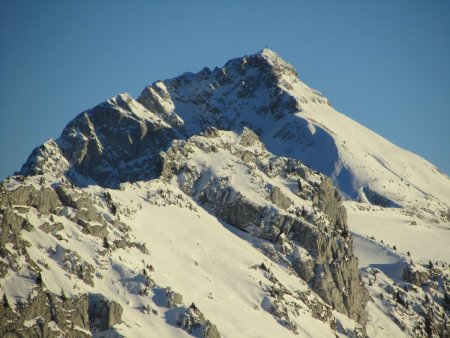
384 64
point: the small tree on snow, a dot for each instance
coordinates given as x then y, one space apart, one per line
63 295
447 298
106 243
39 279
5 301
303 212
429 325
113 208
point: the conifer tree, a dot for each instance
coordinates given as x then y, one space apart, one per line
106 243
5 301
39 279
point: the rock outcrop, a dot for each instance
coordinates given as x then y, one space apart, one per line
103 313
416 275
39 312
193 321
49 315
116 141
328 264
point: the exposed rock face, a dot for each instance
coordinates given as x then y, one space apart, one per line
278 198
103 313
329 265
173 298
329 201
86 211
414 275
116 141
156 98
418 304
44 200
193 321
14 205
47 316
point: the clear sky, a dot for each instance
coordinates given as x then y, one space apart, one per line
384 63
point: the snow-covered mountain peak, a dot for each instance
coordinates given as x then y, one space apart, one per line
263 92
269 53
250 90
218 179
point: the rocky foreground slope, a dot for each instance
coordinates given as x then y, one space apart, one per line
176 215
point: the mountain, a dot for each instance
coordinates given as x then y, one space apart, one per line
230 202
264 93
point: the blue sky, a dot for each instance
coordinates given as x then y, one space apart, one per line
384 63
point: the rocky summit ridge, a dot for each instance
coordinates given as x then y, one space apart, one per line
264 93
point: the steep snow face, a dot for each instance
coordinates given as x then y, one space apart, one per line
383 173
396 227
263 92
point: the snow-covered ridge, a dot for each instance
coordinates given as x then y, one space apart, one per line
264 93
